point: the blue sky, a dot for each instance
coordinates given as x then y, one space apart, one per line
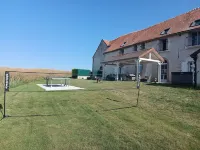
64 34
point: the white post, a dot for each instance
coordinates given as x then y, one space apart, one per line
159 72
121 72
193 72
138 73
149 55
117 70
136 76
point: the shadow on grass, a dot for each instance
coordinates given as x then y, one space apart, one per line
120 108
35 115
2 115
81 90
174 85
113 100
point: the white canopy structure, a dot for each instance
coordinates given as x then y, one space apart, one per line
136 58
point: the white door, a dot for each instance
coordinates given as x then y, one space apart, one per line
164 73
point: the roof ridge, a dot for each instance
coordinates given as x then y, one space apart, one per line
179 23
122 36
194 9
176 16
157 23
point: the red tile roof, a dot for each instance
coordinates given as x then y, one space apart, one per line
136 55
178 24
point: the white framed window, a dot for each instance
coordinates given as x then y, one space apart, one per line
164 71
165 31
135 48
142 46
121 52
163 44
195 38
195 23
122 45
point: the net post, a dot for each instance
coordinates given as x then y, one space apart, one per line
138 79
138 73
6 88
4 104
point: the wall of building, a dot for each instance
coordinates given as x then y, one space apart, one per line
149 69
129 69
111 69
82 77
172 55
198 70
98 57
177 56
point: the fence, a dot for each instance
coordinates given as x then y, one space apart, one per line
185 78
25 92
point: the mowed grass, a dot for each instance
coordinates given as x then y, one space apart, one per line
103 116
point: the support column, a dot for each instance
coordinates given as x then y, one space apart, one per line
120 71
159 72
117 71
103 71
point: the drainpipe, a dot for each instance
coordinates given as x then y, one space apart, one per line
117 69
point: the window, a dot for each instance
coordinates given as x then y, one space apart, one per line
141 68
195 23
195 38
164 32
190 66
164 71
123 44
121 52
101 68
135 48
142 46
164 45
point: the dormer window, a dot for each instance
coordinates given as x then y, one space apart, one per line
123 44
195 23
121 52
165 31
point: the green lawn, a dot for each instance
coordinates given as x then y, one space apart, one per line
95 118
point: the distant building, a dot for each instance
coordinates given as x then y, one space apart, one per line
80 73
